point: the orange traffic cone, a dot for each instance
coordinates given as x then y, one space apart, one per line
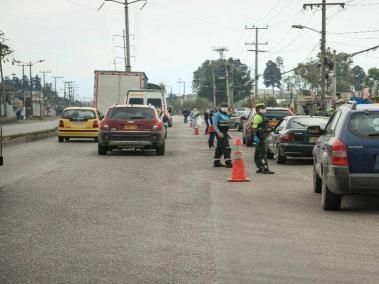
238 170
196 131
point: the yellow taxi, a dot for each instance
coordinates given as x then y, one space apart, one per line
79 122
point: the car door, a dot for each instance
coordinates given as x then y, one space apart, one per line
323 145
274 136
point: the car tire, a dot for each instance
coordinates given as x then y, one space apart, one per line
270 155
60 139
101 150
329 200
317 181
161 150
280 159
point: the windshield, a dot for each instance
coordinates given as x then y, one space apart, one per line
365 125
136 101
155 102
78 114
131 113
304 122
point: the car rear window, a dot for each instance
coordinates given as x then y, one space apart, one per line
136 101
304 122
277 114
365 124
155 102
131 113
78 114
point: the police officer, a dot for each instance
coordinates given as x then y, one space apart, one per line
221 126
260 133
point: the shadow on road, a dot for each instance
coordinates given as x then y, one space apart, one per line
132 153
360 204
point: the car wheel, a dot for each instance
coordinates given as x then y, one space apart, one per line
161 150
317 181
280 159
101 150
329 200
249 141
60 139
269 154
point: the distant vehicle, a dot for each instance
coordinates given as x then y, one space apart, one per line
291 139
155 98
273 114
131 127
346 156
78 122
111 87
238 114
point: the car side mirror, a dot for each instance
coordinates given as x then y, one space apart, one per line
315 130
243 117
101 117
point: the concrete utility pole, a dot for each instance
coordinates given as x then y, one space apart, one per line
334 80
323 6
214 86
125 50
184 90
126 4
42 101
256 50
221 51
55 82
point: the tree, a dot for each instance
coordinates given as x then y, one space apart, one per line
5 51
239 77
272 75
359 77
372 80
308 75
37 86
269 102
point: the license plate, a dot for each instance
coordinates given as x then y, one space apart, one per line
130 127
313 139
78 124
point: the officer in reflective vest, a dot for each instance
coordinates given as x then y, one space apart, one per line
260 133
221 123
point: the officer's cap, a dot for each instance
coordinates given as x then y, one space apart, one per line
260 106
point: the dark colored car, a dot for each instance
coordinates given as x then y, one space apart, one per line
273 114
131 127
291 139
346 157
238 115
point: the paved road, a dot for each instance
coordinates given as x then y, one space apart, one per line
68 215
26 127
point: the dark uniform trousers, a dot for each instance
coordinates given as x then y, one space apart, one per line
223 148
260 156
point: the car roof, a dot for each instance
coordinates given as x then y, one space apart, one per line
368 107
80 108
307 116
277 108
136 106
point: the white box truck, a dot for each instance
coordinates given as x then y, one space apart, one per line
111 87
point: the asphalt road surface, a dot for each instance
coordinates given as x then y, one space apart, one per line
68 215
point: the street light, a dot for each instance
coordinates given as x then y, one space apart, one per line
322 59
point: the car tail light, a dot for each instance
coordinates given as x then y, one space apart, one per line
288 137
95 124
104 125
61 123
157 124
339 154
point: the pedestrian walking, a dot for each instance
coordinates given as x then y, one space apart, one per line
211 130
260 133
221 125
186 113
195 118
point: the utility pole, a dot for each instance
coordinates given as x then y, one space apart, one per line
334 81
42 100
221 51
55 82
23 90
256 50
125 50
323 6
214 87
182 82
126 4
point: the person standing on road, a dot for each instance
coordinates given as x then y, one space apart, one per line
211 130
195 118
260 133
185 113
206 118
221 127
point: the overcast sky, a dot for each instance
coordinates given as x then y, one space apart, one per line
171 38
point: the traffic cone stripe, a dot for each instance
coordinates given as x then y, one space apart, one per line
238 170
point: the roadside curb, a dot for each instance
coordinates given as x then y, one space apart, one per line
28 137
